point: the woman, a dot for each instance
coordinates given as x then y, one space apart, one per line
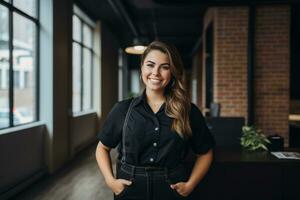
154 131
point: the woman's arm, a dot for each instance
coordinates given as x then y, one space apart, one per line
200 168
104 162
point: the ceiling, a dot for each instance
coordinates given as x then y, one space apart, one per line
174 21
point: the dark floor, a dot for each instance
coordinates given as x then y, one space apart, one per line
79 180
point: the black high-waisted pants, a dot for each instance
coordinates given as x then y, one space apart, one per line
150 183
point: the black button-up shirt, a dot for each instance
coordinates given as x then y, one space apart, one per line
149 139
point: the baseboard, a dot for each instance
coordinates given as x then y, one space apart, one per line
22 185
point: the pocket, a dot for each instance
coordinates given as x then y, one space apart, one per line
127 188
122 192
121 174
179 175
179 195
174 193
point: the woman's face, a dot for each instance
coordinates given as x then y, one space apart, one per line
156 72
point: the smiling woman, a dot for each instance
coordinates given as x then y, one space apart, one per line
153 132
165 78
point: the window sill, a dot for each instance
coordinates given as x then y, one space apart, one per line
80 114
21 127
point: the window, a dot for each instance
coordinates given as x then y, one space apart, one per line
18 54
83 55
135 82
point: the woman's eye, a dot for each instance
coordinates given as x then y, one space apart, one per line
165 67
149 65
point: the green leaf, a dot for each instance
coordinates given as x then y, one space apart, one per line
253 139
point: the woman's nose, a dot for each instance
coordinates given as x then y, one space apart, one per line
155 70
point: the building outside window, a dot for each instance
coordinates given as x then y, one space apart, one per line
18 62
83 56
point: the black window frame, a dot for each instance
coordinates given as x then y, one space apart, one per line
93 54
11 10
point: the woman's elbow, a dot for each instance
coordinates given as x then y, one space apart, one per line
208 155
101 148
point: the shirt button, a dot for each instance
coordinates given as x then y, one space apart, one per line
154 144
151 159
156 129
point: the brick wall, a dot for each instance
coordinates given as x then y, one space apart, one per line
230 60
272 69
272 61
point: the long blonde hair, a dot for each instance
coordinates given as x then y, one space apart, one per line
177 101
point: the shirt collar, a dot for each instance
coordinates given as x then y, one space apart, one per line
141 98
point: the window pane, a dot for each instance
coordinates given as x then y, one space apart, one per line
87 36
87 78
27 6
76 29
76 77
17 79
27 79
4 66
24 58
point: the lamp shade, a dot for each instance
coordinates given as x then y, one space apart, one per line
136 48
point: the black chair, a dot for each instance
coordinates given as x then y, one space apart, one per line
226 130
215 109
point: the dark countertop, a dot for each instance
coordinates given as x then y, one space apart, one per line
235 155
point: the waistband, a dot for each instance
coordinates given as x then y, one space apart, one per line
142 170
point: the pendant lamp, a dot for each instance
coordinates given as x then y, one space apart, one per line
137 47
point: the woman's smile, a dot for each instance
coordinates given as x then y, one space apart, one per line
155 81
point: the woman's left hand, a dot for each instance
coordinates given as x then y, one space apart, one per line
183 188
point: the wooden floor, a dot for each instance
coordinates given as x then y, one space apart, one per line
81 179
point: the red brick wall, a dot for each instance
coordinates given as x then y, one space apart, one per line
230 60
272 69
272 61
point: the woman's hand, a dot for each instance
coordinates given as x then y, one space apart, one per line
200 168
118 185
182 188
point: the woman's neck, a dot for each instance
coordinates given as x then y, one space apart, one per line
155 96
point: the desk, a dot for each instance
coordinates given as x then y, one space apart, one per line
240 175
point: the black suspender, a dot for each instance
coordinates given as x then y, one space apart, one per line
123 160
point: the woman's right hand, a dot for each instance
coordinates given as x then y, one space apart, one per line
118 185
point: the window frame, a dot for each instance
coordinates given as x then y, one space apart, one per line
36 21
84 20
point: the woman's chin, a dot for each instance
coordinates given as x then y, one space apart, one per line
155 87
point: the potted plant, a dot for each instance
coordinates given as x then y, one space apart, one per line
253 139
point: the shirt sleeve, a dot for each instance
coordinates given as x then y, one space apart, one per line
111 132
201 140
